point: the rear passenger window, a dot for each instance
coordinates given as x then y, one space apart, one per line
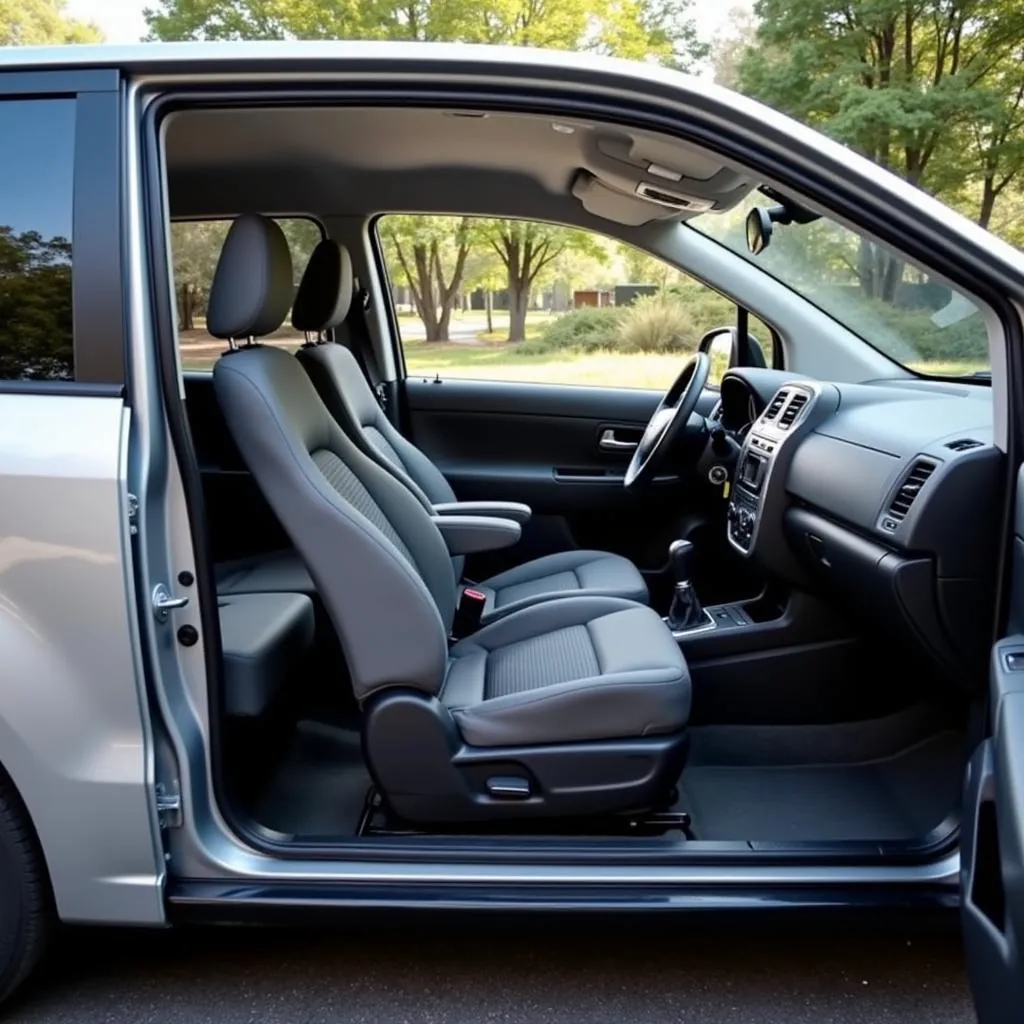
36 192
195 247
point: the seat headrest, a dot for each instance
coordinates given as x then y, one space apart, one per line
252 286
325 292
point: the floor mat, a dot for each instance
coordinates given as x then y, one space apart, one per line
320 788
899 797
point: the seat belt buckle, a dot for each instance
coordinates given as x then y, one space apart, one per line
469 613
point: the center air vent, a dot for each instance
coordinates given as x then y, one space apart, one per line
963 444
909 489
776 404
796 403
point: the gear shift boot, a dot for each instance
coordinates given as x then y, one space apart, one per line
686 611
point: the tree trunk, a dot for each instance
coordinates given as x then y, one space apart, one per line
424 295
444 323
892 277
988 202
518 303
866 268
489 306
188 302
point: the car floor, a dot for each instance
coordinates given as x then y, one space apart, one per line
886 779
321 784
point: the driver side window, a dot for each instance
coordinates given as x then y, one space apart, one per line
531 302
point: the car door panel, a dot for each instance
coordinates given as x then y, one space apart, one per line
542 444
992 848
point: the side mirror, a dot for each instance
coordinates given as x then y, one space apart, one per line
759 230
722 347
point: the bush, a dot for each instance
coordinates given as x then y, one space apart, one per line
580 330
673 320
658 323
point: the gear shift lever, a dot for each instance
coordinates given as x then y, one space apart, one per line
686 611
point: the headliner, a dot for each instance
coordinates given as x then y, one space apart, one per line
359 161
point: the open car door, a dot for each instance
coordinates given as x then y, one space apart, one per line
992 866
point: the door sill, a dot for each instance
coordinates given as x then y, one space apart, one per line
285 902
658 851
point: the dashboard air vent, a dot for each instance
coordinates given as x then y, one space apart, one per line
908 491
963 444
796 403
776 404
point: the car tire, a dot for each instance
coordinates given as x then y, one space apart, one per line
26 916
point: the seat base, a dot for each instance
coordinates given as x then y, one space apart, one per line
426 773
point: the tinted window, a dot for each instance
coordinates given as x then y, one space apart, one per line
36 182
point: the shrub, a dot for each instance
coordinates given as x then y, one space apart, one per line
580 330
658 323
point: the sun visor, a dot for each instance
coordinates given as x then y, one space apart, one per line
678 178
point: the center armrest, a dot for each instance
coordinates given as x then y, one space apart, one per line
466 535
514 510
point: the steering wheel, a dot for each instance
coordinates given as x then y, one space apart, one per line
671 416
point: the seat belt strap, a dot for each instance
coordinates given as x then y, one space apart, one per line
362 347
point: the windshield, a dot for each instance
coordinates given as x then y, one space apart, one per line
919 322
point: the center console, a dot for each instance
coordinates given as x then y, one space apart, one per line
752 470
761 452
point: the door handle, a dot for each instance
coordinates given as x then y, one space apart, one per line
610 443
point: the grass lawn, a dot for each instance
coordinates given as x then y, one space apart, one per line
495 362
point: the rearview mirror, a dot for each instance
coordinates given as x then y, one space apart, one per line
759 230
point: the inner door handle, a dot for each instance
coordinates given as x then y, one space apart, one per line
610 443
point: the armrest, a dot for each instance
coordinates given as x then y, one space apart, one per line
513 510
466 535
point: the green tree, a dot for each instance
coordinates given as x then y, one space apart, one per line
484 271
926 88
526 249
640 267
650 29
42 22
195 246
888 77
35 306
730 44
430 255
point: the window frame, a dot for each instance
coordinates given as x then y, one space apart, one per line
97 293
398 349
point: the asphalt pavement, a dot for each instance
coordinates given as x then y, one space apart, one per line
472 970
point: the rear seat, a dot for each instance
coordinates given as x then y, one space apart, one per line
264 638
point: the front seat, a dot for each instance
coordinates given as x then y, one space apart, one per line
576 706
322 304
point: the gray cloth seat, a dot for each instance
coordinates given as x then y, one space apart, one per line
321 305
573 706
571 670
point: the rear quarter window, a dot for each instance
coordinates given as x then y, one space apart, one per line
36 203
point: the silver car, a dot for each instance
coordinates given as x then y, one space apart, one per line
464 477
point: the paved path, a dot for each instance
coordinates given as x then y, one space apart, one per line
472 970
462 329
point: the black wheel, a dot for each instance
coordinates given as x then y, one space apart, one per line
26 916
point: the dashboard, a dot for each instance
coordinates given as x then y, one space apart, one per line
887 495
